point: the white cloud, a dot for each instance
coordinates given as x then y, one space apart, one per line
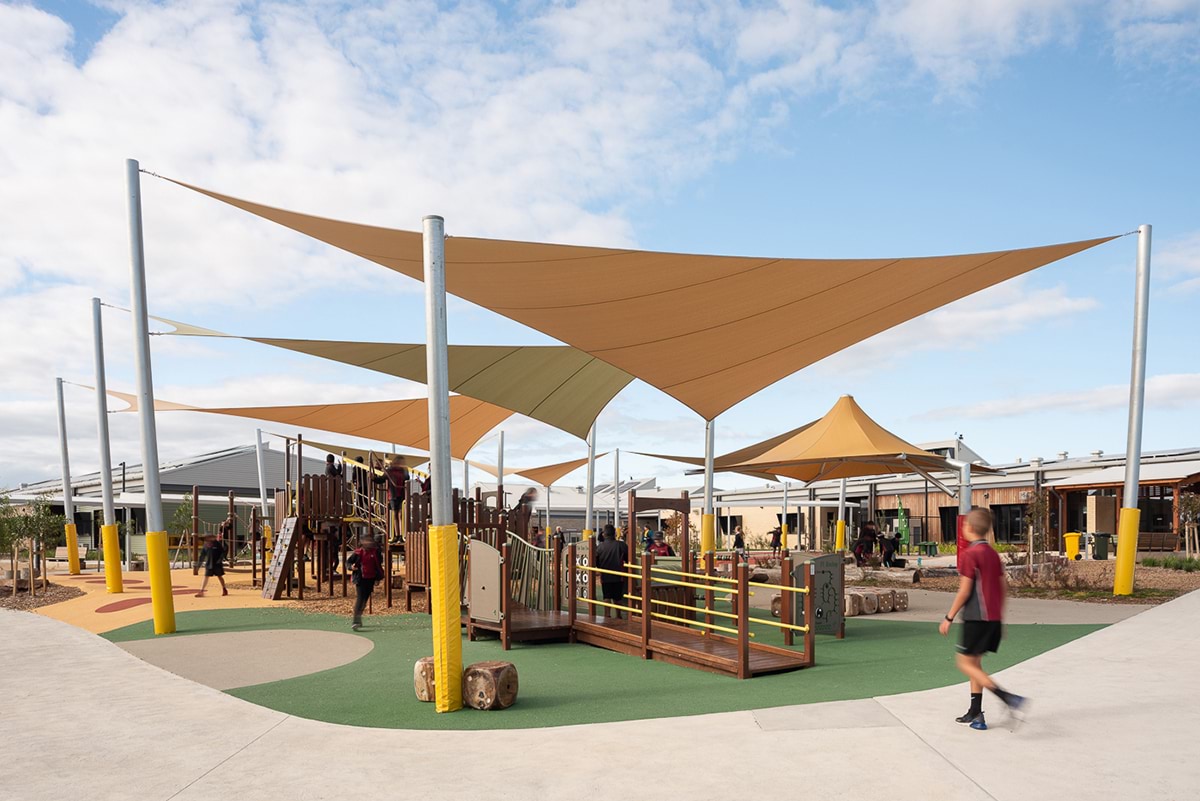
1179 261
987 316
1168 391
537 120
1161 32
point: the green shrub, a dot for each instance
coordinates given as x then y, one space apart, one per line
947 548
1186 564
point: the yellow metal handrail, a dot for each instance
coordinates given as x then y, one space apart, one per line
777 624
609 572
730 590
692 575
607 604
776 586
684 620
701 610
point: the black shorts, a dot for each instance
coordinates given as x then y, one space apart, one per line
980 636
613 591
397 503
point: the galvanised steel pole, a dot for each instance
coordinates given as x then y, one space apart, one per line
1129 525
500 504
840 541
708 518
161 600
267 535
444 591
617 488
591 483
109 538
783 527
68 500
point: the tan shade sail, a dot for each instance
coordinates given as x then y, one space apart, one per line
559 385
707 330
548 474
726 463
402 422
845 443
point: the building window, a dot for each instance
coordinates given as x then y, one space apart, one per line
1008 521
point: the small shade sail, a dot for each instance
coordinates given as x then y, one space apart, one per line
708 330
845 443
548 474
402 422
725 463
557 384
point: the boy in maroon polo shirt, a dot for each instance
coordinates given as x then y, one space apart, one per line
980 597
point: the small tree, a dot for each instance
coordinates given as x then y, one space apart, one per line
9 535
39 527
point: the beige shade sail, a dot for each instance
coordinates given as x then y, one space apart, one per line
548 474
726 462
845 443
403 422
708 330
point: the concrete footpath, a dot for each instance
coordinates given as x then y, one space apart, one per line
81 718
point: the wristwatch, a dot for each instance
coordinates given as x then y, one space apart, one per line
949 619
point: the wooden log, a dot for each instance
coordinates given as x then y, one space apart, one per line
423 681
777 606
901 601
887 601
490 685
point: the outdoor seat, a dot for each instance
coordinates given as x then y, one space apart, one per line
63 556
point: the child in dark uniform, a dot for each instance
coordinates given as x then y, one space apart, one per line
212 558
980 598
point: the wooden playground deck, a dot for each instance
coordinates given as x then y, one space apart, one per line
685 647
678 645
527 625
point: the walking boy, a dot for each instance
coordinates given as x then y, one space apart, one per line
980 598
368 568
212 557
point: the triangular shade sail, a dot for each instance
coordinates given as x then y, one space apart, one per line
403 422
725 463
548 474
845 443
559 385
708 330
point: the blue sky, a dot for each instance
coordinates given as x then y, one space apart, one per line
894 128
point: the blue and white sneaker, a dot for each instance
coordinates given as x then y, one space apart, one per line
979 724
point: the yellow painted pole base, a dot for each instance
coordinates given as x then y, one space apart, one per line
587 533
708 533
162 602
268 546
783 535
111 543
840 543
447 635
1127 537
72 549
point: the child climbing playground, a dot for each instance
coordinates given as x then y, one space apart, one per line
981 591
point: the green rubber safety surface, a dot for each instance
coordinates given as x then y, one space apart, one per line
563 684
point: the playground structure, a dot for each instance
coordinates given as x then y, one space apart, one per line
523 593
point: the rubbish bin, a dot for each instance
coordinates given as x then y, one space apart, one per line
1071 540
1100 546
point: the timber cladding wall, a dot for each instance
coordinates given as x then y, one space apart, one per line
914 503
